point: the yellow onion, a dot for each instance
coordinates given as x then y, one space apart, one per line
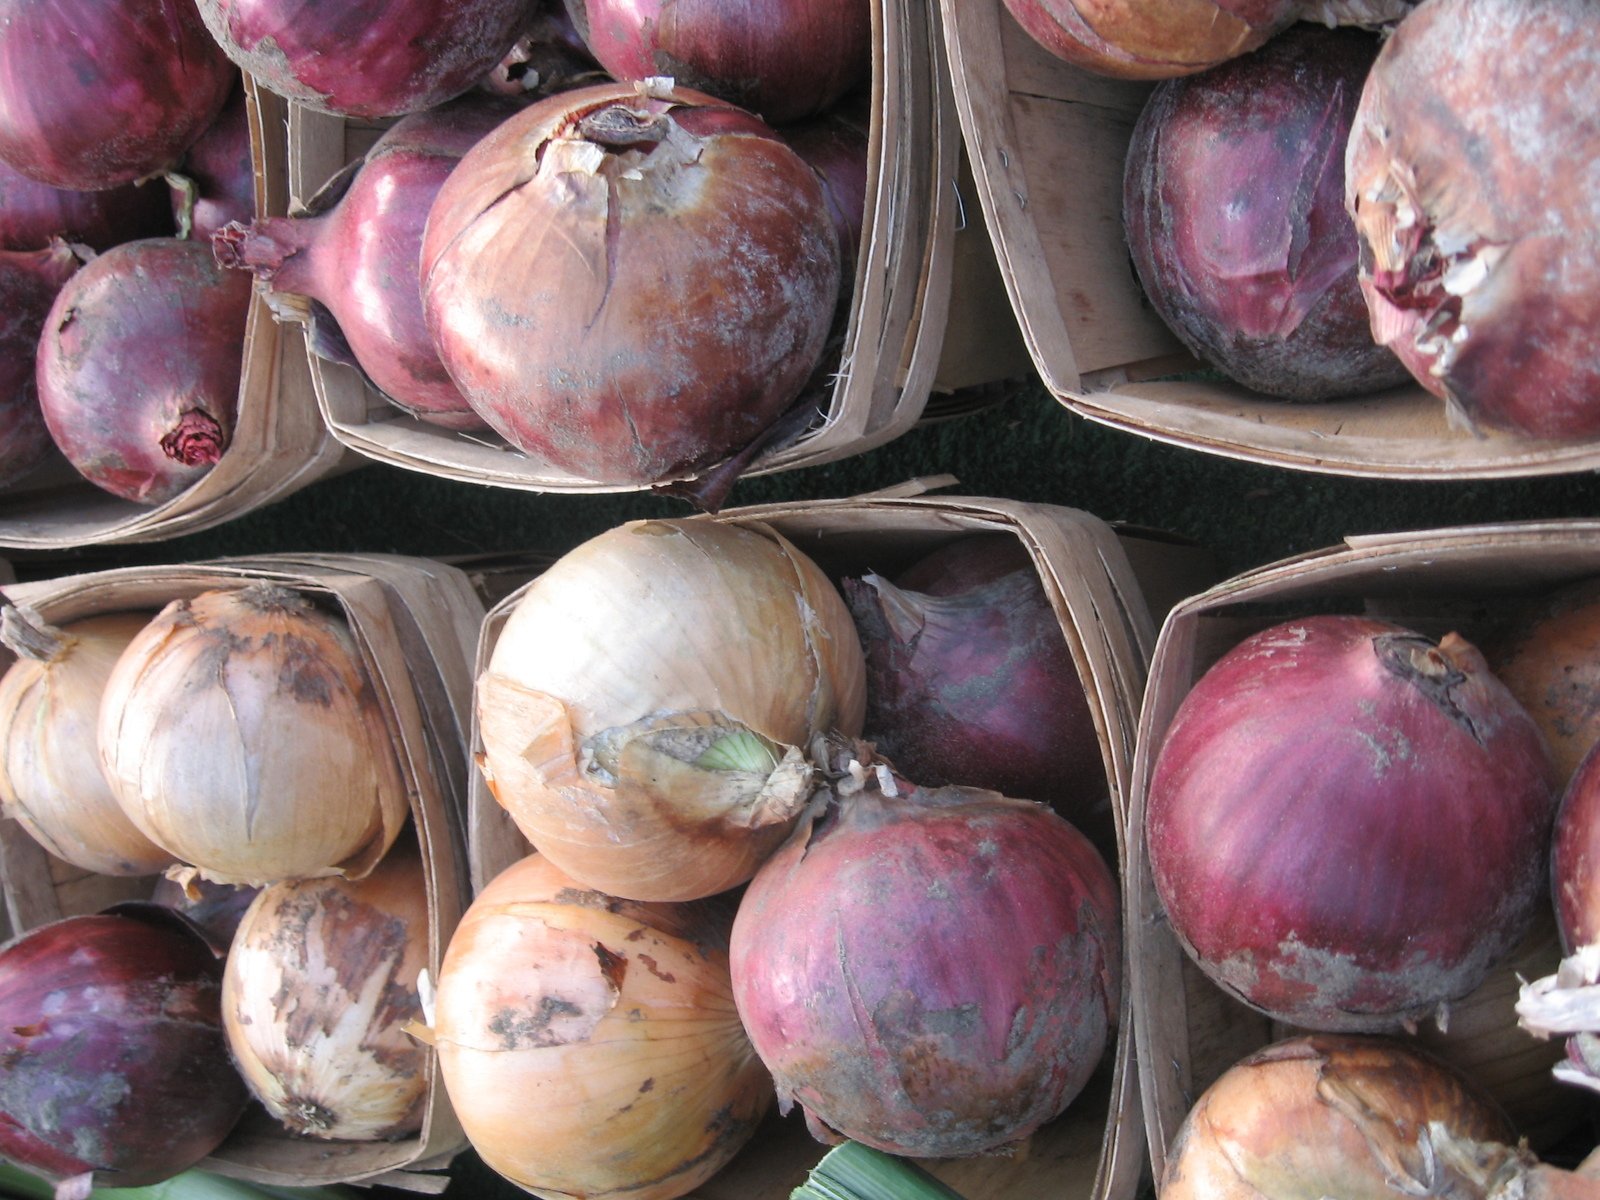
49 703
240 731
1341 1115
321 981
646 711
590 1045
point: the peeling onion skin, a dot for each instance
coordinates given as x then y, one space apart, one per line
1233 206
1336 749
98 93
1468 180
618 665
784 60
630 315
30 280
321 979
590 1045
934 973
113 1046
139 367
371 60
1328 1115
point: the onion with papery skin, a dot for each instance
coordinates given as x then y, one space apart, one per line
1233 207
112 1056
96 93
1468 178
50 783
352 257
590 1045
970 680
30 280
782 59
1329 1116
630 287
1334 749
321 981
139 367
370 60
216 182
646 712
929 972
34 213
240 730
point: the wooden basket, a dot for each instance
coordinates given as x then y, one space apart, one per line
416 625
897 313
279 442
1188 1030
1048 142
1104 587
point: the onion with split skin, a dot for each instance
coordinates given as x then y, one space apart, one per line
49 708
646 713
241 731
590 1045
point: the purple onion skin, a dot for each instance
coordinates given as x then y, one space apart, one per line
29 282
115 1060
96 93
1349 825
31 213
936 974
219 165
1233 205
139 366
215 909
1575 858
370 60
361 257
835 144
970 680
781 59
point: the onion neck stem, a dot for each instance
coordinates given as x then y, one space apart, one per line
27 634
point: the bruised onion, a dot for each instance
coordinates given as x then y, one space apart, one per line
630 286
113 1064
1330 1115
321 981
352 256
1478 219
50 781
646 712
1233 206
371 60
139 367
98 93
33 213
29 283
1348 824
782 59
216 181
241 731
590 1045
929 972
970 679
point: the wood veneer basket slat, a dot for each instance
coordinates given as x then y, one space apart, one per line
1102 584
415 623
1047 142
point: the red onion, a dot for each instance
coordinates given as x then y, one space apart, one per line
1468 177
31 213
102 92
783 59
139 366
29 281
835 144
930 973
115 1059
1575 858
355 252
1348 824
630 286
970 679
1233 203
549 57
215 909
368 60
216 182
